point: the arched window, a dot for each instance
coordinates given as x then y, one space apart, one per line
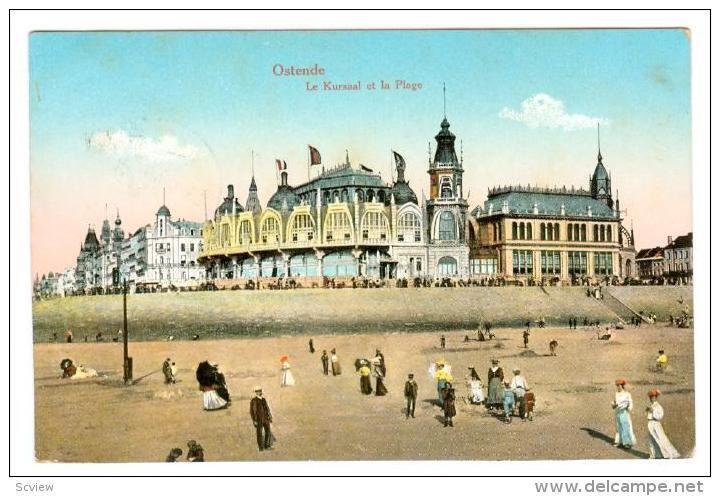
270 230
326 197
447 266
608 235
381 196
374 226
557 232
370 195
602 232
344 195
543 233
596 236
446 227
335 196
360 195
245 232
302 228
338 227
522 230
583 232
528 231
576 232
514 230
409 227
570 232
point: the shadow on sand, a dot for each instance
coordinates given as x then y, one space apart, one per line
604 437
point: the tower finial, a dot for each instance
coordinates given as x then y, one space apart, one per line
347 157
444 111
163 195
252 162
598 136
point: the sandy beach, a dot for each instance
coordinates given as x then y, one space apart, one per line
327 418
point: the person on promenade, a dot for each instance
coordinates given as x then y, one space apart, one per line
286 376
526 336
623 405
311 345
442 341
69 336
508 402
261 418
449 404
380 389
335 362
495 379
195 452
475 388
553 347
660 445
411 391
325 362
365 385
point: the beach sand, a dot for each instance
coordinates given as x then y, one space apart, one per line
327 418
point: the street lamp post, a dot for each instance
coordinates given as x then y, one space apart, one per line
127 361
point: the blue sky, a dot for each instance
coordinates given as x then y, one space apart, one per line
215 95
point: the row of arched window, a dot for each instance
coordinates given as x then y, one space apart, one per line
345 196
338 226
550 231
522 230
602 232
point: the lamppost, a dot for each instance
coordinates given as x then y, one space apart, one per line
127 360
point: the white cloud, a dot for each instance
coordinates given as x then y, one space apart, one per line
542 110
121 144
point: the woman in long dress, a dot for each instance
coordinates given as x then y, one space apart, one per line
286 377
660 445
623 405
495 386
440 371
475 388
380 389
206 375
334 362
365 385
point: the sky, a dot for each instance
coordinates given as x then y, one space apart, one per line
116 117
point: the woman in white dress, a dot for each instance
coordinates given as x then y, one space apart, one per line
623 405
286 377
475 388
660 445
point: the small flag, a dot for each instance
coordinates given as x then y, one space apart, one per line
366 169
281 164
399 160
314 155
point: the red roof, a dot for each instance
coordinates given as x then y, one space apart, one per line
656 252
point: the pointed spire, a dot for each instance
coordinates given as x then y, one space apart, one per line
347 157
444 110
163 195
598 137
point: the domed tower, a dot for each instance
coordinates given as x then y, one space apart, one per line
253 202
230 204
600 186
162 221
401 188
285 197
118 233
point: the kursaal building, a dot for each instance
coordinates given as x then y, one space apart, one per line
347 222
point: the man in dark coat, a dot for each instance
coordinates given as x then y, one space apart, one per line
526 336
262 418
449 404
325 362
411 391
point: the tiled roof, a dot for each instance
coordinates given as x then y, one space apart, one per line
685 241
656 252
523 202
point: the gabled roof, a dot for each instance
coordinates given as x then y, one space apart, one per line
656 252
685 241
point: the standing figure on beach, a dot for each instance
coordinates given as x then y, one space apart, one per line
553 347
495 379
661 361
526 336
380 389
449 404
441 373
660 445
261 418
529 405
167 371
508 402
623 405
379 356
475 387
207 377
519 385
69 336
442 341
286 376
365 384
311 345
335 362
325 362
411 391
